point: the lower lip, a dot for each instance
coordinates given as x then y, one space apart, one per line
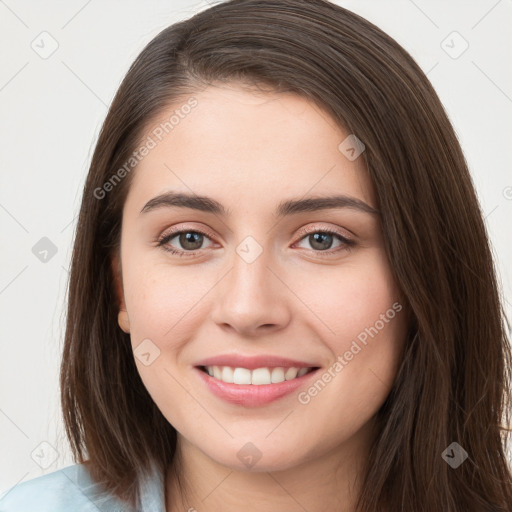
250 395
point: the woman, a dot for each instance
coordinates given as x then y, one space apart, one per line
281 295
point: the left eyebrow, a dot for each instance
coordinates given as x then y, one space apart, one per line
285 208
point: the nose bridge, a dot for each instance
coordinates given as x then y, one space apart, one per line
250 294
250 278
252 256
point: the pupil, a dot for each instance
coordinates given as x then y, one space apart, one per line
190 237
319 237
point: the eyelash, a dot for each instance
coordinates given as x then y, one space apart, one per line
348 243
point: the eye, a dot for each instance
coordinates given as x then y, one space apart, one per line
321 240
190 240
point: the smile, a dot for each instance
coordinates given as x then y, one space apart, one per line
253 388
255 377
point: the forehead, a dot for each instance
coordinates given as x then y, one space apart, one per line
245 147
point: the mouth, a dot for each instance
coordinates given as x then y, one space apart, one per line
253 387
257 376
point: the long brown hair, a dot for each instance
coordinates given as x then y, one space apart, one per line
453 384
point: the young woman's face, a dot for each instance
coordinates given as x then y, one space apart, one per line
256 277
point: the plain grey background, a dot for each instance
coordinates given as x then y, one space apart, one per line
61 65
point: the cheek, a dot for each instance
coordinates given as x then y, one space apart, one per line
162 305
365 326
352 298
162 300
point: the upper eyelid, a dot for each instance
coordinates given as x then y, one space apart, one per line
174 232
305 231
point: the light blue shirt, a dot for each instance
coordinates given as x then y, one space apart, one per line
71 489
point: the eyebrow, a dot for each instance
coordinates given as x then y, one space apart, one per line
285 208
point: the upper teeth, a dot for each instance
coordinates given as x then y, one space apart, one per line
257 376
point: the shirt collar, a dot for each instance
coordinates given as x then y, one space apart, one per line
151 495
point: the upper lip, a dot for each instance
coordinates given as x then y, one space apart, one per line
252 362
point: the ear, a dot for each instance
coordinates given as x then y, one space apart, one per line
122 317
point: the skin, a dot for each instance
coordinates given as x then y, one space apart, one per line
249 150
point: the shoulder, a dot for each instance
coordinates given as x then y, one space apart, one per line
70 488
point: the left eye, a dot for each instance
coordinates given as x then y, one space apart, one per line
322 240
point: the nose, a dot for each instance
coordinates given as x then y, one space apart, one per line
252 298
